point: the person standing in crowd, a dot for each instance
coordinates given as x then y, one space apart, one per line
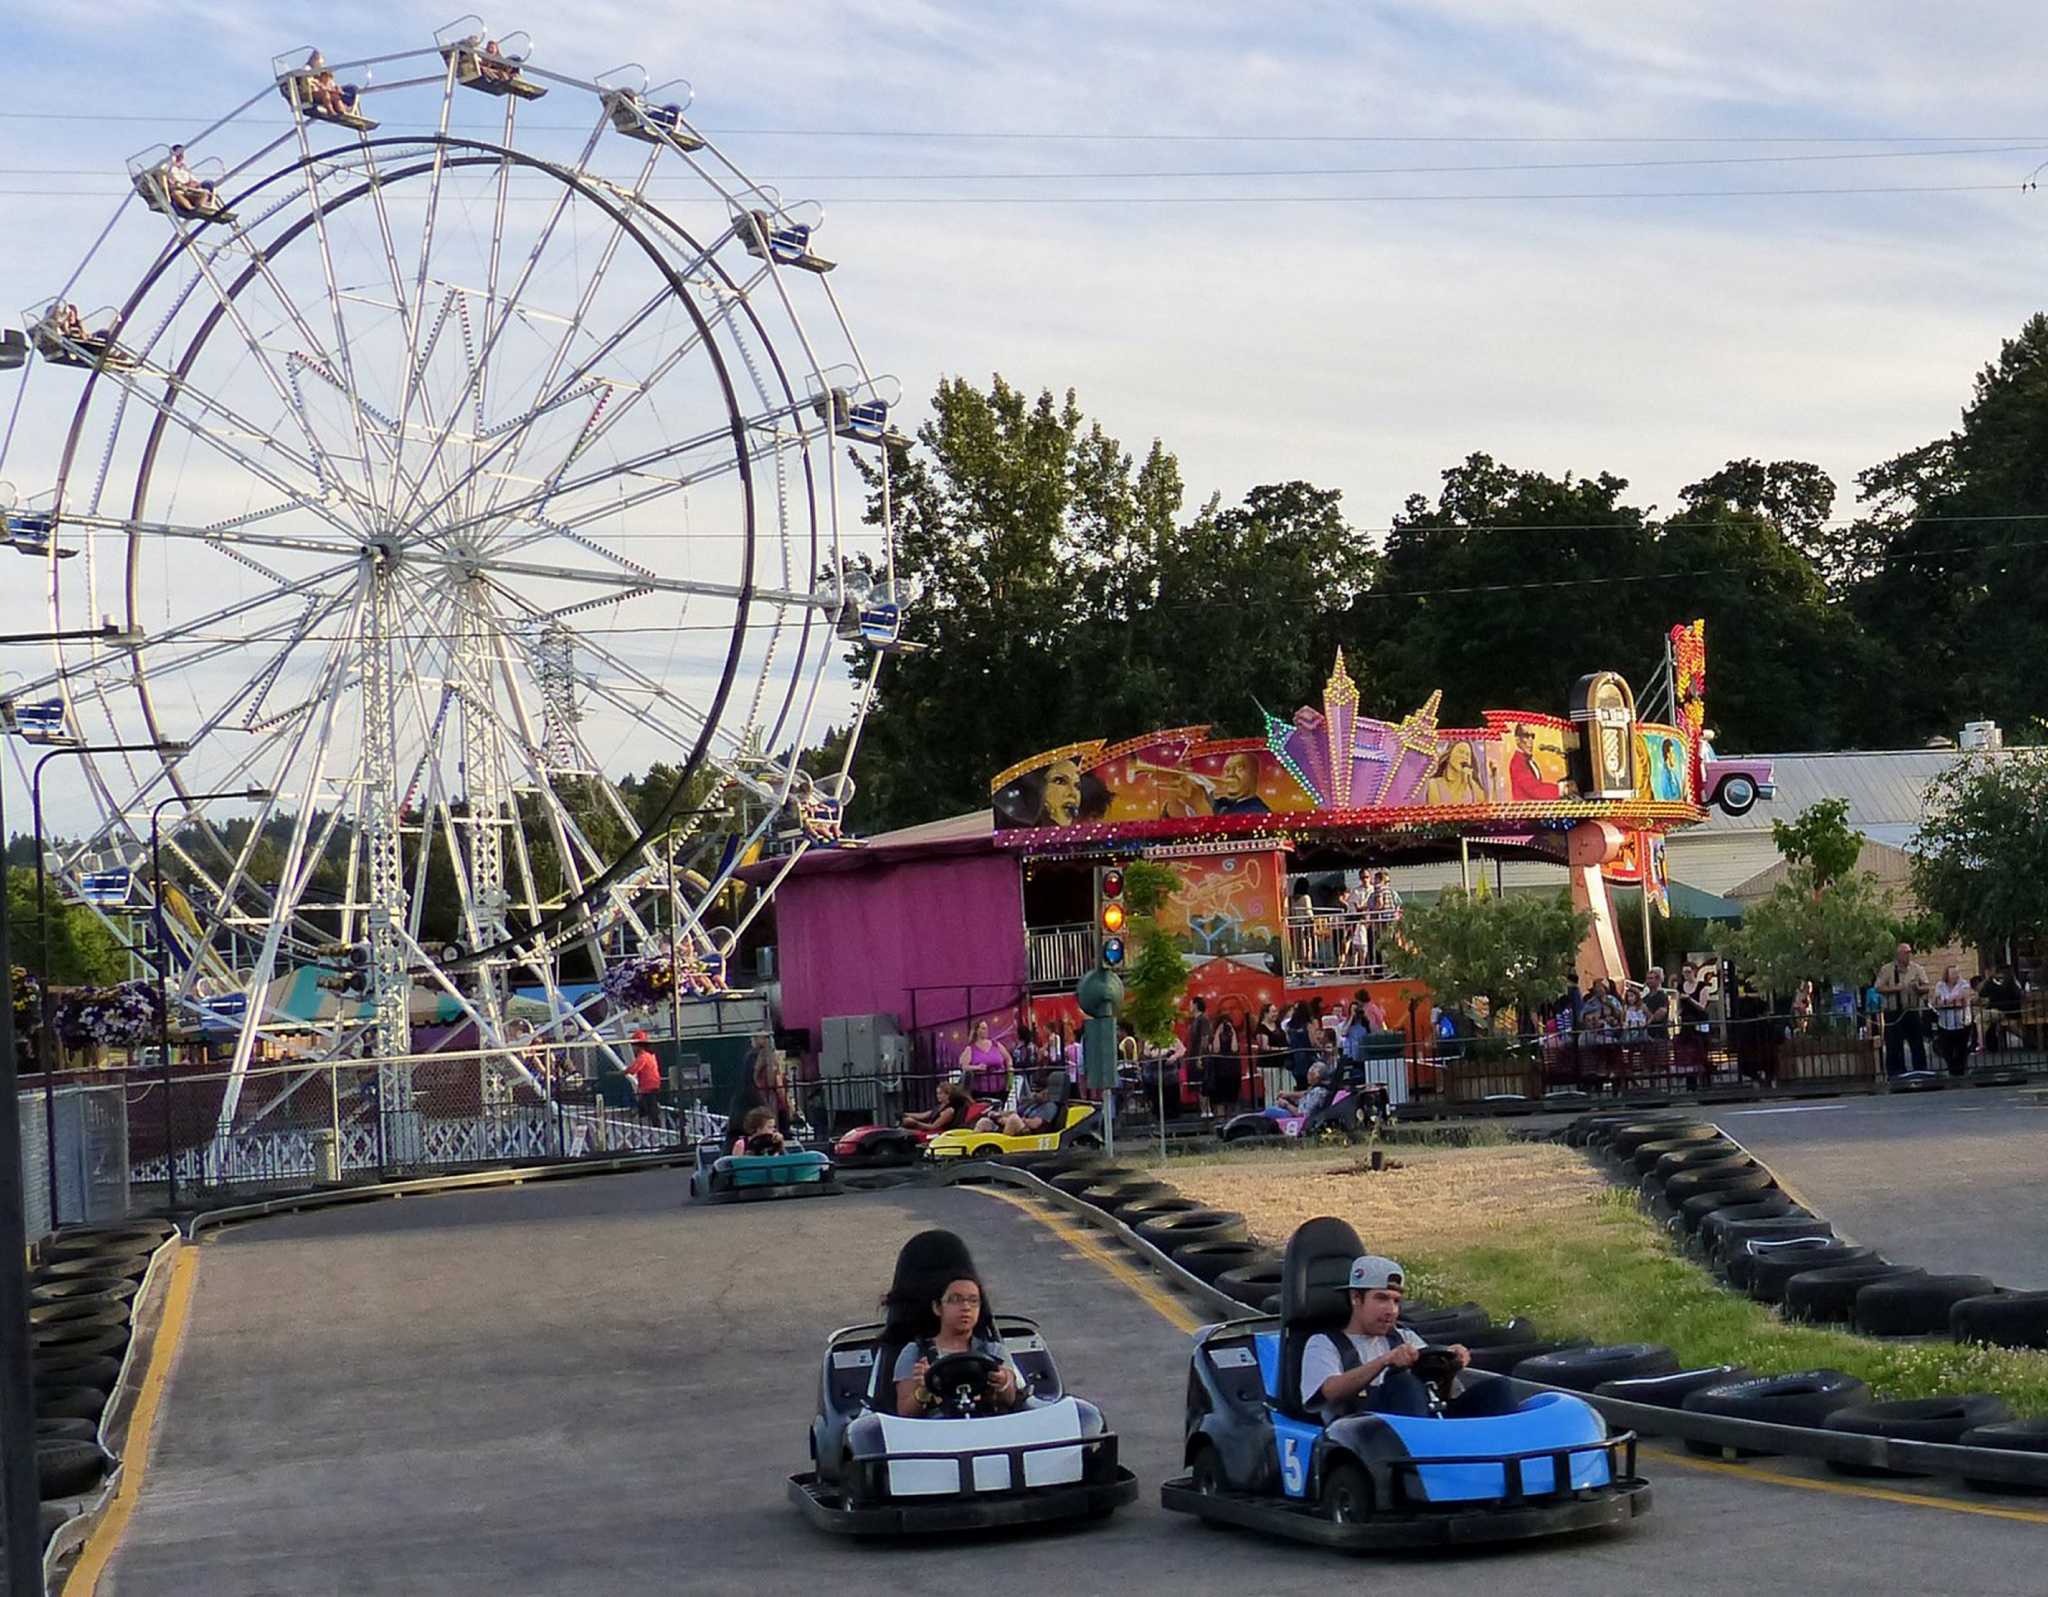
2000 998
1223 1070
1301 1042
1268 1041
985 1065
1382 909
1902 988
645 1072
1954 1020
768 1082
1802 1009
1199 1030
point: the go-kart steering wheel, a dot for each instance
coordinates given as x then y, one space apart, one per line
1437 1367
961 1382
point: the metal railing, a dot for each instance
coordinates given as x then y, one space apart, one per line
92 1159
1059 956
1339 943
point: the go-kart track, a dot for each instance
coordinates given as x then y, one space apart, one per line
599 1386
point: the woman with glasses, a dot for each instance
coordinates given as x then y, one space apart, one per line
965 1325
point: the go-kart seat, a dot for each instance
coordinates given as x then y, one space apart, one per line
1313 1298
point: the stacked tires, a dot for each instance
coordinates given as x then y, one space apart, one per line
1210 1244
81 1299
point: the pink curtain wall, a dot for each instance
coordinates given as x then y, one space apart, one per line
856 942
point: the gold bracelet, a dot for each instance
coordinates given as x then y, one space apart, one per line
921 1397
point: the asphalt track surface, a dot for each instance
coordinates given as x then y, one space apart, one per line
593 1387
1954 1181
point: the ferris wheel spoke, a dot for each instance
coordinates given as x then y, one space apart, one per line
219 535
647 582
313 501
323 462
474 381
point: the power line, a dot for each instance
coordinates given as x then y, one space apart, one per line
1044 135
1250 199
1057 174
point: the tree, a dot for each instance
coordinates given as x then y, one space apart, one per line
1482 951
1438 617
1833 933
1954 605
83 952
1980 860
1158 976
1740 554
1821 839
1014 520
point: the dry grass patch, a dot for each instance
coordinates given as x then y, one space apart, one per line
1437 1198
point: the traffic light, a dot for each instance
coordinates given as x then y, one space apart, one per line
1110 916
347 970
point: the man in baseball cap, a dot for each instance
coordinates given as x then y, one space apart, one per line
1369 1364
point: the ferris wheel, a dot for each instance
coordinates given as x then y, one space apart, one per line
458 438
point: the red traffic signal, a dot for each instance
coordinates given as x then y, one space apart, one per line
1112 884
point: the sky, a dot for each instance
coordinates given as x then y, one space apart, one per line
1347 243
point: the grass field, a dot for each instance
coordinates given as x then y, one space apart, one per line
1534 1229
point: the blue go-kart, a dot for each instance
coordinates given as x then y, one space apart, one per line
1484 1465
795 1172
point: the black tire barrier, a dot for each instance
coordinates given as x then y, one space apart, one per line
80 1311
1739 1262
51 1518
1829 1294
2012 1436
72 1341
2008 1319
1734 1175
97 1370
1582 1369
1208 1260
1515 1330
144 1234
1250 1284
69 1402
1270 1304
1624 1140
1671 1391
1115 1199
1075 1182
1731 1206
71 1269
67 1469
66 1431
1168 1232
1447 1324
1918 1419
1663 1160
1501 1358
1914 1306
1136 1214
1805 1400
112 1287
1769 1271
1729 1237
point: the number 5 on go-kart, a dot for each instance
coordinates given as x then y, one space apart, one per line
1361 1461
948 1416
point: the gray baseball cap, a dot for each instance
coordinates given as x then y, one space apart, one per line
1371 1273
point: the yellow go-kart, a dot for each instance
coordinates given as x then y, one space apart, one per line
1080 1127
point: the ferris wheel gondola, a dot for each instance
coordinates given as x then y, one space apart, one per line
438 481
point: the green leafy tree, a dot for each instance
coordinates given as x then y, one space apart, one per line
1483 952
1954 605
83 952
1980 860
1833 933
1158 975
1821 838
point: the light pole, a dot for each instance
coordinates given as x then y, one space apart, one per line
44 1052
19 1491
163 956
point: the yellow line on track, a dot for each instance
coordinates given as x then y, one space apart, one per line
1096 1250
1881 1494
1093 1248
106 1536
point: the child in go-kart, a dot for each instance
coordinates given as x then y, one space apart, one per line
1379 1377
758 1134
959 1309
